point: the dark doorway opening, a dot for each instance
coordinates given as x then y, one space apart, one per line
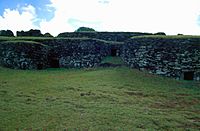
189 75
54 62
113 52
39 66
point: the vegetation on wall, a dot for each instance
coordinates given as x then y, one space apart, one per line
85 29
47 35
6 33
32 32
160 33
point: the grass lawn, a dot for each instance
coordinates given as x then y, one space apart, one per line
96 99
113 60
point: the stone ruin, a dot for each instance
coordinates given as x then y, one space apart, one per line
177 57
172 57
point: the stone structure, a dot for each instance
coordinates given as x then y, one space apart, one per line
35 33
167 56
68 53
177 57
23 55
76 53
108 36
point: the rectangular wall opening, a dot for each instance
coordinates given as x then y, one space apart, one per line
54 62
113 52
189 75
39 66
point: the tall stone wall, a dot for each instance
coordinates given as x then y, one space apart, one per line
172 57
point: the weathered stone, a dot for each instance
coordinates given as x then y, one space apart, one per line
19 55
168 57
171 57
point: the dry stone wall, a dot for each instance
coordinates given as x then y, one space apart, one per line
43 53
77 53
177 57
23 55
172 57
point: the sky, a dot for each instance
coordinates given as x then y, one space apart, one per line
57 16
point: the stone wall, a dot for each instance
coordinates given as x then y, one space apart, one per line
23 55
77 53
177 57
167 56
68 53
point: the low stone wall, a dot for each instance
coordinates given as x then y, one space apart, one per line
172 57
23 55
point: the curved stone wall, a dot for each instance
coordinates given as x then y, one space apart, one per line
167 56
77 53
171 56
68 53
23 55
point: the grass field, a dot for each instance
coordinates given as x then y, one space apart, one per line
96 99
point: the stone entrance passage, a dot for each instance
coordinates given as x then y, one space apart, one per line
189 75
113 52
54 62
39 66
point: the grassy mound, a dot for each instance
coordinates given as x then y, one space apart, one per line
96 99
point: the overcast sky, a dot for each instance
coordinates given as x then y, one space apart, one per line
56 16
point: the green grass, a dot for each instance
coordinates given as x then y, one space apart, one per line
108 42
113 60
21 41
25 39
168 36
96 99
37 38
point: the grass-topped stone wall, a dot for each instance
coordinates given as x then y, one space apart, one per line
76 53
173 56
23 54
39 53
109 36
